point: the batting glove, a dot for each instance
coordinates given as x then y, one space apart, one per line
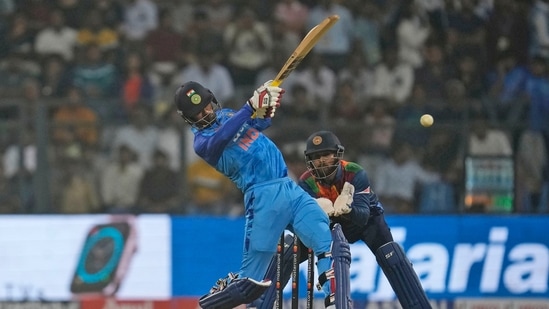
266 96
326 205
342 204
265 112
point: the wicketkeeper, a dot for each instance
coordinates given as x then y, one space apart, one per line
342 189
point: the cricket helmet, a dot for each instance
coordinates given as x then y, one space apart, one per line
319 144
191 98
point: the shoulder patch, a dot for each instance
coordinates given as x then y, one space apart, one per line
352 167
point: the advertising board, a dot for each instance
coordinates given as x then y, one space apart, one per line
68 257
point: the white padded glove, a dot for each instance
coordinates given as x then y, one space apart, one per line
326 205
342 204
265 112
266 96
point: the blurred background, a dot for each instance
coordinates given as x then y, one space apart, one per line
87 124
87 86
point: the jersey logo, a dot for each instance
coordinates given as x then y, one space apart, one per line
246 140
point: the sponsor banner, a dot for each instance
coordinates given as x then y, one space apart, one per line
64 257
111 303
187 303
502 304
454 256
394 304
39 305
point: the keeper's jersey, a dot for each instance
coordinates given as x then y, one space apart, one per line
365 201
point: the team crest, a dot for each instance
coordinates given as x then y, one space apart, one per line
317 140
195 97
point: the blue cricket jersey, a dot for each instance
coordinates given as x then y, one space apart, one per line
236 147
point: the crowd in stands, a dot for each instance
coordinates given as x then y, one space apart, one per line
100 75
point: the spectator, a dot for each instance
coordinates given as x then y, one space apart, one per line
200 34
539 37
7 8
169 139
120 182
293 15
507 32
367 32
466 30
506 87
73 10
434 72
469 71
95 75
400 178
137 88
249 44
211 193
140 17
9 199
277 61
346 107
94 31
19 37
393 79
164 45
78 193
13 74
486 140
320 81
140 135
360 74
57 38
531 161
19 166
337 43
111 11
457 106
380 128
408 127
284 41
220 13
159 188
55 77
74 118
412 31
209 71
300 104
182 12
443 155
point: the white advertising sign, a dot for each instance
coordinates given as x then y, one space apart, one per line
64 257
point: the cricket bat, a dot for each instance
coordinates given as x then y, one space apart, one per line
309 41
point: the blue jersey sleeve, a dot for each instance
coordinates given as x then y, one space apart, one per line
237 148
210 146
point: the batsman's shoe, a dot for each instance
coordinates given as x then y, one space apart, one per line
329 301
222 283
232 291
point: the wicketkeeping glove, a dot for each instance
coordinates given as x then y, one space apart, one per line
342 204
326 205
266 96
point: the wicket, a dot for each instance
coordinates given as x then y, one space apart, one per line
296 258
